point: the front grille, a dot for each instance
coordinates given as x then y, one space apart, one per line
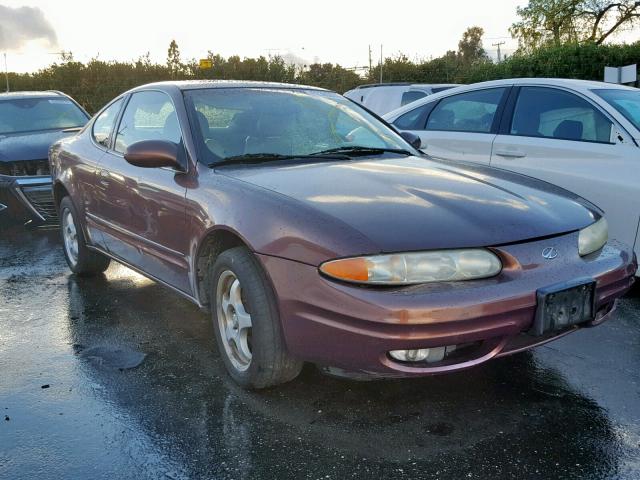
41 198
25 168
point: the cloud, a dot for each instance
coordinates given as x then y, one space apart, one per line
21 25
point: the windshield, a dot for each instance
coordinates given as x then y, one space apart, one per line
35 114
236 122
627 102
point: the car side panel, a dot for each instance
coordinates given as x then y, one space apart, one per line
607 175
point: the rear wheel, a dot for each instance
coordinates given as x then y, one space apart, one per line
247 323
80 259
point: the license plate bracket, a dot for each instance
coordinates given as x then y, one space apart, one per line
564 305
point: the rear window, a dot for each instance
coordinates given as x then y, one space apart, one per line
35 114
408 97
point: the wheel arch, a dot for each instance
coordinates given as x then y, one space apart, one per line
213 243
59 192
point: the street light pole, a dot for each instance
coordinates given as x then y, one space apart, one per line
6 70
381 61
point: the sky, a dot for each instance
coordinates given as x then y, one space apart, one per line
328 31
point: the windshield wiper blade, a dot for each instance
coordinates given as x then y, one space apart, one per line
253 158
360 150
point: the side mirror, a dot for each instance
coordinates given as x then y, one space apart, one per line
412 139
153 154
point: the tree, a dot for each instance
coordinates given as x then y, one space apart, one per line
470 47
556 22
603 18
173 59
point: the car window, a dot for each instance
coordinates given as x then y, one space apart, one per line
554 113
627 102
103 125
19 115
414 119
466 112
148 116
243 121
412 96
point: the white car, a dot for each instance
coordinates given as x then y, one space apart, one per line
384 97
581 135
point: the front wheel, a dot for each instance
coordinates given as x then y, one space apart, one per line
247 323
80 259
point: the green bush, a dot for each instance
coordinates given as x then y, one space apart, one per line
96 82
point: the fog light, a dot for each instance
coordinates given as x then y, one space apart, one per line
419 355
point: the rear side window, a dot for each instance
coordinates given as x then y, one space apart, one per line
148 116
414 119
103 126
412 96
466 112
553 113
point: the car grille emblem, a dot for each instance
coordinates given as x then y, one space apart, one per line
550 253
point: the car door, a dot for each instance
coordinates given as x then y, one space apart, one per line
142 210
561 137
458 127
102 131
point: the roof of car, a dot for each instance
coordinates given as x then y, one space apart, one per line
199 84
583 86
405 84
34 94
567 82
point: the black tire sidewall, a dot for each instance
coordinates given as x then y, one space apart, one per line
261 304
89 262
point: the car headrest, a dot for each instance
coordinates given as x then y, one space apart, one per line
203 123
171 129
570 129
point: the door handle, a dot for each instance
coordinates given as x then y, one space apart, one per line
104 177
510 153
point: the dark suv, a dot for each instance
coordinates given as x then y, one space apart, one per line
29 123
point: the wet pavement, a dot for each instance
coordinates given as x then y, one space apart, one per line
117 377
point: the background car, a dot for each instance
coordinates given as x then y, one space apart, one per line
314 232
384 97
580 135
29 123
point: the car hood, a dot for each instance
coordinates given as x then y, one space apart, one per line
413 203
28 145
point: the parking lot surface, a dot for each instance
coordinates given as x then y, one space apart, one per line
118 377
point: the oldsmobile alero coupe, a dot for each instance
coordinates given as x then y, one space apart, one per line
314 232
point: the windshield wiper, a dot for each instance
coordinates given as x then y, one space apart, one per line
253 158
360 150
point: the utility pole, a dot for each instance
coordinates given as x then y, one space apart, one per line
381 61
6 70
370 63
498 45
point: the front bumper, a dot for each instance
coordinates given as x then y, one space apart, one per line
24 199
353 328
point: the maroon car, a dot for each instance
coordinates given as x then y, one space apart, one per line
314 232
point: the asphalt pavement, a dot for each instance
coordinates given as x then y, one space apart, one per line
117 377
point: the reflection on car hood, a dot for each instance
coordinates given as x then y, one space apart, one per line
413 203
28 145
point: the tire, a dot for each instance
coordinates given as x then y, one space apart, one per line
81 260
256 356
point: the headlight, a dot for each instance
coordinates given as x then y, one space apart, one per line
412 268
593 237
